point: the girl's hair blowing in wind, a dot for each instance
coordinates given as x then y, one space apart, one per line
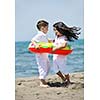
70 32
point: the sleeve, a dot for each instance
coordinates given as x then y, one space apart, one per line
37 38
63 40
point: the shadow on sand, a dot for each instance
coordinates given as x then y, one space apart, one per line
59 84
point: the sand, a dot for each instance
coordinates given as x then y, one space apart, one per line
29 89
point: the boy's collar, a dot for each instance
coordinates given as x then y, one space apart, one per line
40 32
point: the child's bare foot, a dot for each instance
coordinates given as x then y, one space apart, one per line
43 83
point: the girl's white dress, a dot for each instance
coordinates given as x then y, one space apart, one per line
59 61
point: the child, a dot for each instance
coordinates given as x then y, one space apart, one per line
63 34
42 58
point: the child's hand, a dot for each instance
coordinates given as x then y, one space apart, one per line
59 47
37 46
50 41
54 49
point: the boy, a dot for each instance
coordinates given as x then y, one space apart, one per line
42 58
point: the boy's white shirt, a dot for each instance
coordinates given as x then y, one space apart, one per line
40 37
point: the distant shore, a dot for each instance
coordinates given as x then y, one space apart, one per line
29 89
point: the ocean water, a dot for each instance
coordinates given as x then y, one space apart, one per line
26 66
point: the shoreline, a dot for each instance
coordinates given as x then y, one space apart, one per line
29 89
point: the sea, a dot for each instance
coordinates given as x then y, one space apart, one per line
25 61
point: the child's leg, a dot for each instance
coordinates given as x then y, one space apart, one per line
61 76
67 77
43 67
56 68
43 83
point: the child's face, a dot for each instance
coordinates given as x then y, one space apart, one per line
44 29
57 32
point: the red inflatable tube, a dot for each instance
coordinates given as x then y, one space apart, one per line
49 50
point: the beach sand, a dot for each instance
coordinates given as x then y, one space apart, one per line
29 89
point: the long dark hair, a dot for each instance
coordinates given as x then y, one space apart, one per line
70 32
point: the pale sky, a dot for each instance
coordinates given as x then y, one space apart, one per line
28 12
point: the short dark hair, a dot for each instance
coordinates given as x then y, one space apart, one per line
42 23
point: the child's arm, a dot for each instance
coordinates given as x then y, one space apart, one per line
63 45
35 40
51 40
35 44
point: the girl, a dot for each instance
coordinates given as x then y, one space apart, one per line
63 34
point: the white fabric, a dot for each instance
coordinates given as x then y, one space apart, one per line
59 61
60 40
43 65
42 58
40 37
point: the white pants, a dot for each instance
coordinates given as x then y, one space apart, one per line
59 63
43 65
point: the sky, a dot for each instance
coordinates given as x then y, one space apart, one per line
29 12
